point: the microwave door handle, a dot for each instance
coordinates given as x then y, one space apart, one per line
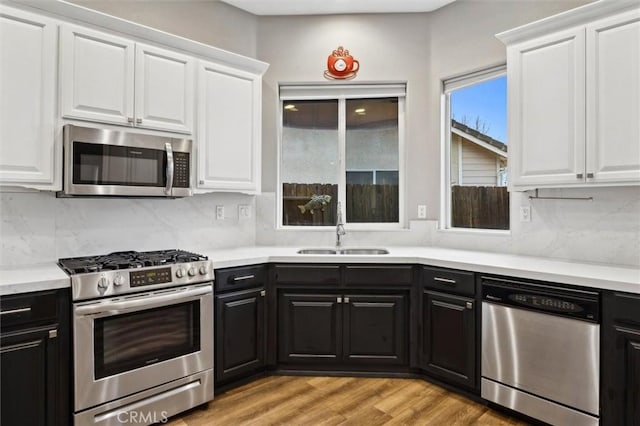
144 302
169 187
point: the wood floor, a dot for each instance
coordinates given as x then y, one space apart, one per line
293 400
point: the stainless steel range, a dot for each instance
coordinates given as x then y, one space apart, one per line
142 335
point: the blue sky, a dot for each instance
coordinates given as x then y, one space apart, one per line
487 100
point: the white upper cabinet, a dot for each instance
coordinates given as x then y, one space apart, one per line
164 83
574 99
546 109
28 47
229 128
613 90
110 79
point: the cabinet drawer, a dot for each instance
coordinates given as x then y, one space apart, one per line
241 277
449 280
28 308
626 307
307 274
379 275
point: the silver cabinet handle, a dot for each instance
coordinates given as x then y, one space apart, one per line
53 334
138 120
129 119
590 175
579 175
15 311
263 293
243 277
469 305
339 299
444 280
169 187
346 300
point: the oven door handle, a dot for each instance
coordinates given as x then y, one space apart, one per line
144 302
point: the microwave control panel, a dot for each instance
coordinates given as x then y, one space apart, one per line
181 170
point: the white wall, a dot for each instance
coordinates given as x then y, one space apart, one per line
424 50
210 22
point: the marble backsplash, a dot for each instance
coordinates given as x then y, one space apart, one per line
604 230
38 227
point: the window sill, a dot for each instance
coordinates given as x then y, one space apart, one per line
490 232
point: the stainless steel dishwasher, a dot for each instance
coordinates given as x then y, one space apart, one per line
541 350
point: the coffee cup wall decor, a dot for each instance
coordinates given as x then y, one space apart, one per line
341 65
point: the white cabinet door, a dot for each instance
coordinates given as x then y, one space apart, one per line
96 75
27 106
546 96
613 99
164 94
229 127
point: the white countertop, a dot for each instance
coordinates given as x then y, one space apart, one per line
608 277
24 279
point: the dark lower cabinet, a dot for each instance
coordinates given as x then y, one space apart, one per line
449 337
240 319
240 339
309 328
34 359
620 390
349 329
28 362
375 329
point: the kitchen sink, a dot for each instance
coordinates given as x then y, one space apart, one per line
364 251
347 251
317 251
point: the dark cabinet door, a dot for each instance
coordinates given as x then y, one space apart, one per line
309 328
29 366
620 391
448 340
375 329
240 341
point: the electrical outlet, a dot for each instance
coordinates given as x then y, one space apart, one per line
244 211
525 214
219 212
422 211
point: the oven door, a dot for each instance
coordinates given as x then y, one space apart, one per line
128 344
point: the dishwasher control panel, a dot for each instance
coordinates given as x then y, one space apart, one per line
547 298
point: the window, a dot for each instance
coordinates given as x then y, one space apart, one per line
475 192
341 144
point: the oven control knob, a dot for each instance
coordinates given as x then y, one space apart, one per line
118 280
180 272
103 283
192 271
203 270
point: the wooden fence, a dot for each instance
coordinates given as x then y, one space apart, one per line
299 194
365 203
485 207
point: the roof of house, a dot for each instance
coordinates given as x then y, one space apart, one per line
478 136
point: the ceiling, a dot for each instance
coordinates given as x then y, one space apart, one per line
329 7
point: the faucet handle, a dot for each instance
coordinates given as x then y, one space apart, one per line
339 215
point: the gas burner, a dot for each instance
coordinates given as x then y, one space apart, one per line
127 260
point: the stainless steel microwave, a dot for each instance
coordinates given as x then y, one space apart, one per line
100 162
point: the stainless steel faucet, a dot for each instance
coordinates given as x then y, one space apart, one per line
339 227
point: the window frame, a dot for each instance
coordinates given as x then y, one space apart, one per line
448 85
318 91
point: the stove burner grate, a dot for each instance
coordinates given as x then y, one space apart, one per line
126 260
